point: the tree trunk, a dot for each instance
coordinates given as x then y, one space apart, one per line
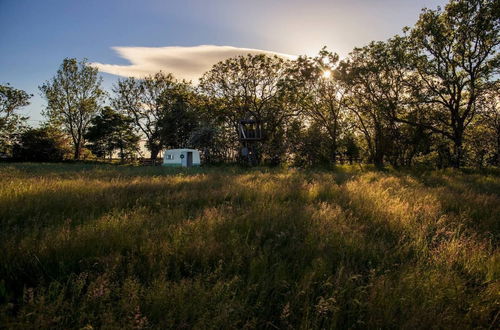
498 148
378 156
378 159
78 151
122 156
333 148
457 149
154 152
333 153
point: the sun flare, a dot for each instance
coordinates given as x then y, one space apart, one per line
327 74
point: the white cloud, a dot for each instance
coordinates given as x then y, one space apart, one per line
183 62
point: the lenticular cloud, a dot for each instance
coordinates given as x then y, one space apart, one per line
183 62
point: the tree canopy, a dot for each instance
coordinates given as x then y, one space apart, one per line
74 95
11 99
427 96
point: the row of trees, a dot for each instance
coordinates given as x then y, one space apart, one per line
430 95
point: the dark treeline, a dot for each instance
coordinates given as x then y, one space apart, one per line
429 96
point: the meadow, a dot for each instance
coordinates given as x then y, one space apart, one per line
96 246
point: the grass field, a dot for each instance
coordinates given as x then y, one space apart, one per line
87 246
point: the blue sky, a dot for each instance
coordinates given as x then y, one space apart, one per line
37 35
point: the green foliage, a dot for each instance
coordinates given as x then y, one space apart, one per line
316 89
130 247
74 96
427 97
111 131
374 79
44 144
351 149
180 118
484 137
252 88
454 56
147 101
11 99
310 146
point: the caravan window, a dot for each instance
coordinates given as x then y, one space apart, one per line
169 157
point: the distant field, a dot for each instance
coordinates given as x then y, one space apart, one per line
129 247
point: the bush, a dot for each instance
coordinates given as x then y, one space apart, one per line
44 144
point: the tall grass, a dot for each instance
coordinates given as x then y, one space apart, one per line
124 247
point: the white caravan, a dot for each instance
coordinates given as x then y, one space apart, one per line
181 157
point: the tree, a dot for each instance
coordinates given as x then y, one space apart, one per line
180 117
214 134
350 148
111 131
310 145
11 99
320 95
250 88
454 55
43 144
373 79
74 96
145 102
486 130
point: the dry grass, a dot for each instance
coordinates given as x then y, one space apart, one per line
122 247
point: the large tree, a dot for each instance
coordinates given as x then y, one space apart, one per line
454 56
11 99
250 88
320 95
373 79
180 119
74 96
145 101
111 131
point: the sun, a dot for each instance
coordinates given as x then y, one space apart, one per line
327 74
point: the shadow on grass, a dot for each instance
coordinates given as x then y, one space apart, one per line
261 249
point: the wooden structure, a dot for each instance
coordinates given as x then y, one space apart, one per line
250 132
150 162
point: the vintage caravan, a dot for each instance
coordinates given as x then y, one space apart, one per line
181 157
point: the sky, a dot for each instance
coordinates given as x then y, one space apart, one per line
185 37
